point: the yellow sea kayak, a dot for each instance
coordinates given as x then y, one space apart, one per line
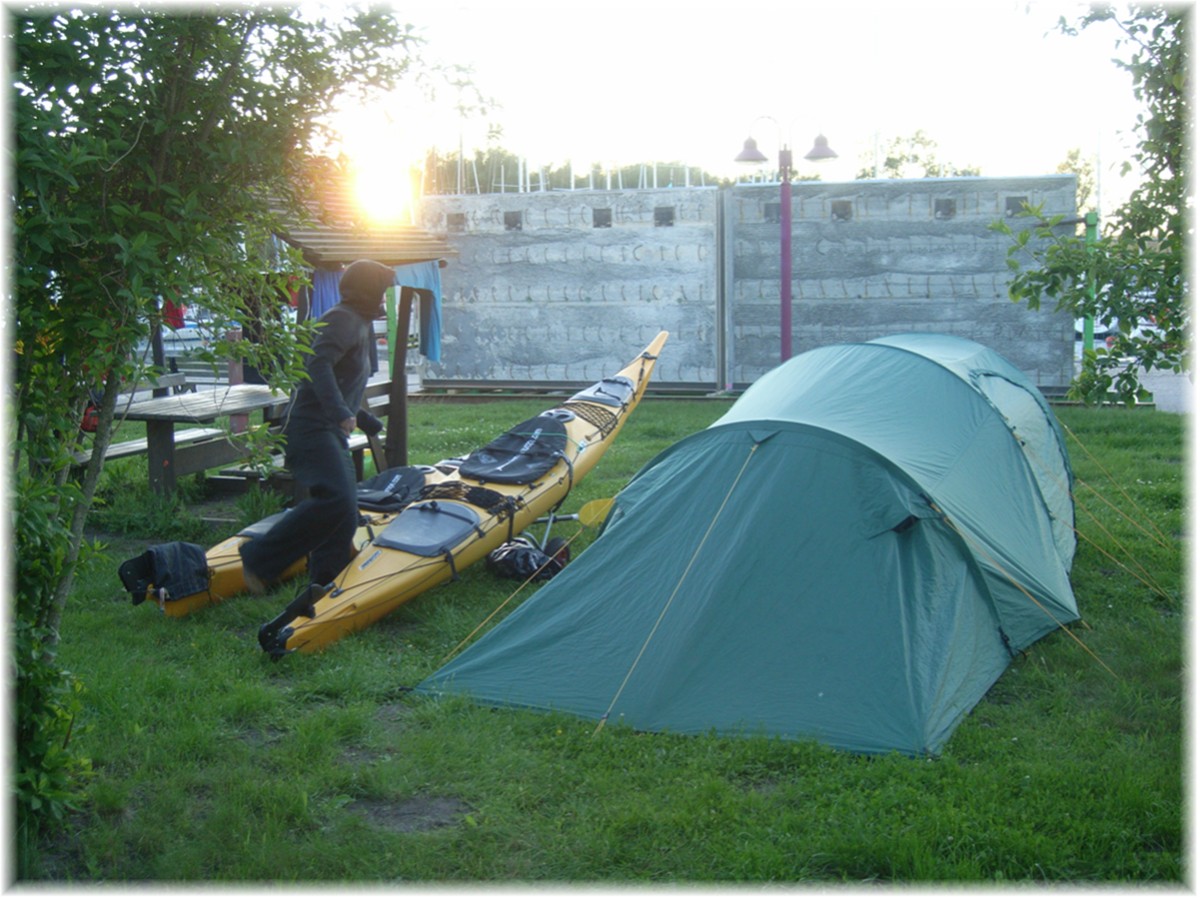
497 492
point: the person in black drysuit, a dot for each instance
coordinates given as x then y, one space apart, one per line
323 412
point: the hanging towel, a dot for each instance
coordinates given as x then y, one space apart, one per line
325 294
426 277
431 325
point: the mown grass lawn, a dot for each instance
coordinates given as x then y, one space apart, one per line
215 766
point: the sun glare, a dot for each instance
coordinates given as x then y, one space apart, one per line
382 161
384 192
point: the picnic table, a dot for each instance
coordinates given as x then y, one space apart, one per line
169 458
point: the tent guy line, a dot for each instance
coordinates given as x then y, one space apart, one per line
1158 537
674 593
507 600
1141 574
1000 568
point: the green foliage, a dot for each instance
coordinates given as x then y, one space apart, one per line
256 504
149 147
913 157
155 153
48 772
1132 278
1084 171
125 504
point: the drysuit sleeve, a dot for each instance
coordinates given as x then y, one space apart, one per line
335 340
368 424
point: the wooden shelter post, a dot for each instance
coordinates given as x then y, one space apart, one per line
397 430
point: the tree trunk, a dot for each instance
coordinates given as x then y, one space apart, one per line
52 617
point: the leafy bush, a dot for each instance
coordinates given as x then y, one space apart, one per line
49 773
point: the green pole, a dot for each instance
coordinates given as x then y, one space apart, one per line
390 302
1092 221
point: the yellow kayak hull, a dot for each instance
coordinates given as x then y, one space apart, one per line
381 577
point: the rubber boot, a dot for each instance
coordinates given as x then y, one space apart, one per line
273 636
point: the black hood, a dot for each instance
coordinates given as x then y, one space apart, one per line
362 286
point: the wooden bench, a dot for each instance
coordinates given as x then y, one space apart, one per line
169 457
358 444
138 447
377 399
175 381
199 372
200 449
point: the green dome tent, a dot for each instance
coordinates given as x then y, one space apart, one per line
851 554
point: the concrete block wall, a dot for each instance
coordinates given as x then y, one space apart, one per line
878 257
569 285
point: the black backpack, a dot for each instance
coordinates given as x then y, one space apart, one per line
522 559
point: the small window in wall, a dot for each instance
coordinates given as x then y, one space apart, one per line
945 209
512 221
843 211
1013 206
771 212
602 218
456 221
664 216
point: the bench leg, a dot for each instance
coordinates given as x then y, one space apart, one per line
160 450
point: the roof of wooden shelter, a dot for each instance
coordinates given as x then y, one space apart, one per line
338 231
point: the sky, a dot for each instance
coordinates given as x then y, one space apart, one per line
993 82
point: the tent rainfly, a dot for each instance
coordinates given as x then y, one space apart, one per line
851 554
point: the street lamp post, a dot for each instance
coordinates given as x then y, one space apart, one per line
751 154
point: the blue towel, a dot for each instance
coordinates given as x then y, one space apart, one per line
325 293
427 278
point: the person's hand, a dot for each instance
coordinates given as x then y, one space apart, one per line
367 423
348 425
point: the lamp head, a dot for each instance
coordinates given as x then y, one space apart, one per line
750 153
821 149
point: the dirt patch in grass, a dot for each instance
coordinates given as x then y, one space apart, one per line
261 737
411 814
359 756
391 713
117 547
